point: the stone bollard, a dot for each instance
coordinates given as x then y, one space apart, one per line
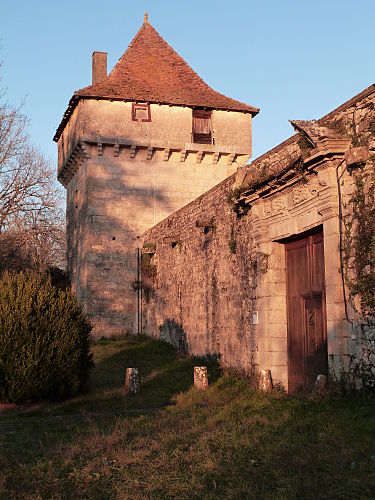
321 384
200 377
265 380
132 382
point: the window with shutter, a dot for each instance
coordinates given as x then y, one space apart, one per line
202 126
141 112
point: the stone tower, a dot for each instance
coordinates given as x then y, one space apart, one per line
134 147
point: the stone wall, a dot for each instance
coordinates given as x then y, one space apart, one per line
207 286
220 284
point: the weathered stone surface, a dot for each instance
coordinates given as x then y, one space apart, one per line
265 380
357 155
215 279
132 380
124 175
223 272
200 377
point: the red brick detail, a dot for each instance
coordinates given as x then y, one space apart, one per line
136 106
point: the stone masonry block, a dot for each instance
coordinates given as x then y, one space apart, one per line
200 377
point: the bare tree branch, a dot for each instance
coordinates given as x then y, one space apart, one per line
32 222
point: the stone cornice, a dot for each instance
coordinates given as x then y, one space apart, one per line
328 150
83 150
189 147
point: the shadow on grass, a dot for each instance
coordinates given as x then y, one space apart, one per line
163 376
230 441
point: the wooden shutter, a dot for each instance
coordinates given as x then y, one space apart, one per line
202 131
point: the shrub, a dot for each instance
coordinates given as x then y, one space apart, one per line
59 278
44 340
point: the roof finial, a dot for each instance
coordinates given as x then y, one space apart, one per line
145 17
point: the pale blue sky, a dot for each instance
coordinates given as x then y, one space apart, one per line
292 58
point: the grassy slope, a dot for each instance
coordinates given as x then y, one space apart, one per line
227 442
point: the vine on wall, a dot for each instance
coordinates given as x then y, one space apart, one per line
359 243
148 272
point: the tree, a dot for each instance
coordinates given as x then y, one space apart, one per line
31 219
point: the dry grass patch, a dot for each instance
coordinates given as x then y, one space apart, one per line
227 442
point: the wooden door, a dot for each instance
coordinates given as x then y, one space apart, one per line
307 333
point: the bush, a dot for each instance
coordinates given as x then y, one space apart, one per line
44 340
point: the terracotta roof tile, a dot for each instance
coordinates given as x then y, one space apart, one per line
151 71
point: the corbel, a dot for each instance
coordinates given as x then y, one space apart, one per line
100 149
166 154
116 149
215 158
149 152
199 156
230 159
85 150
182 155
133 148
76 158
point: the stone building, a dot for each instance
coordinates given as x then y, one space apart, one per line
134 147
268 266
273 268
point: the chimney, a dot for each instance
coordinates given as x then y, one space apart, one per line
99 67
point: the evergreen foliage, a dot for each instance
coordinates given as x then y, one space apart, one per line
44 340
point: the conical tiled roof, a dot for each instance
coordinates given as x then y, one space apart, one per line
151 71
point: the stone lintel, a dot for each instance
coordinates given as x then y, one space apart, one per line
204 222
168 240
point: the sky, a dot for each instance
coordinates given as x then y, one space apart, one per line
293 59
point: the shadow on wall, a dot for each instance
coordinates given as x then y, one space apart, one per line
106 245
174 334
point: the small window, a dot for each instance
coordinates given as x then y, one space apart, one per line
141 112
202 126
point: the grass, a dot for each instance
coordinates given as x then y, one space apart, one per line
172 441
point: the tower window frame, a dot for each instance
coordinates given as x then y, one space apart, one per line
141 112
202 126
